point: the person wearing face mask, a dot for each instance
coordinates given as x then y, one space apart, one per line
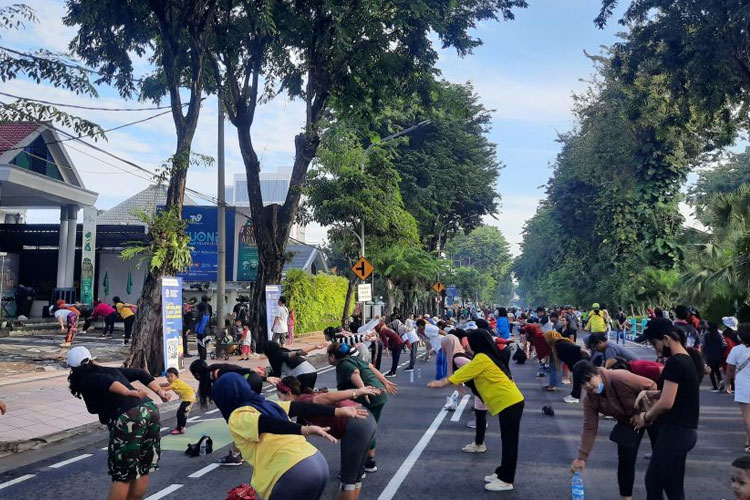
612 393
676 411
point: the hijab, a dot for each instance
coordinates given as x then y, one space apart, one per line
450 346
231 391
273 352
482 342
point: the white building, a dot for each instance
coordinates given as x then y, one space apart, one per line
273 187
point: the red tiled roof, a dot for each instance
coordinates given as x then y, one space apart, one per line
11 133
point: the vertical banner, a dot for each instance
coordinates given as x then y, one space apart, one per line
202 227
273 292
88 255
171 320
247 251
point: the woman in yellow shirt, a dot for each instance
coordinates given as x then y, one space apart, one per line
500 394
285 465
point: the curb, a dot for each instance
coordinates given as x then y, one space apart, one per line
13 447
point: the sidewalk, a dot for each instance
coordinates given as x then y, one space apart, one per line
42 410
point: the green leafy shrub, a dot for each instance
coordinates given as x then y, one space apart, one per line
317 299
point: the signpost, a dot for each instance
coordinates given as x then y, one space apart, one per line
364 292
171 320
363 269
273 292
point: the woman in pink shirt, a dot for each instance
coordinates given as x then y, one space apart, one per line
102 310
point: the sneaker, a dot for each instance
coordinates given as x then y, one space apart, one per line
370 465
177 431
498 485
714 390
571 400
490 478
474 448
408 369
566 381
472 424
231 459
390 374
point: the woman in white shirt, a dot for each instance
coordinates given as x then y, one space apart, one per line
738 370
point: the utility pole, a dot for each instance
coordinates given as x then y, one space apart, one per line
221 274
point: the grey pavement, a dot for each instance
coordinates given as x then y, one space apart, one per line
439 471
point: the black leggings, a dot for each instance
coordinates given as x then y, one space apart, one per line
376 350
395 356
128 322
715 373
510 426
627 456
413 354
305 481
182 413
666 470
308 379
354 447
480 416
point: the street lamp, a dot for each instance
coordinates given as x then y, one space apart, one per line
362 169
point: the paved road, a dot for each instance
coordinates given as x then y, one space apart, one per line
419 454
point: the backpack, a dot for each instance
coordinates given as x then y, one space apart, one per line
194 450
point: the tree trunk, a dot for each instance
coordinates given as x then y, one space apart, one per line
147 347
390 300
347 302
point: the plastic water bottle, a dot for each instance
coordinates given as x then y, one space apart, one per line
411 376
203 447
576 486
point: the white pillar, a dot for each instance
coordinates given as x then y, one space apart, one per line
70 252
61 246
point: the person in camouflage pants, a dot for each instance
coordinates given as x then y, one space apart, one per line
134 443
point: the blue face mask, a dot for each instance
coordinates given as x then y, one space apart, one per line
600 388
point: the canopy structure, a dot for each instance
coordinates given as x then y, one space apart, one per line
36 172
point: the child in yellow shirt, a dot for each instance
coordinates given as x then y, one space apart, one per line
187 395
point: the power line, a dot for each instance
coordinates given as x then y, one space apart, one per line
78 67
77 106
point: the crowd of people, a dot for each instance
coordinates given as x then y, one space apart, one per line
473 349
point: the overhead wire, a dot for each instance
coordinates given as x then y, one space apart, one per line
79 106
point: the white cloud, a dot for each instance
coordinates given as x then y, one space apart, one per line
514 213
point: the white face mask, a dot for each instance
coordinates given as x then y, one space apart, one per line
600 388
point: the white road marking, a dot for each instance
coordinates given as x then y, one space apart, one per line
395 483
164 429
69 461
457 414
17 480
205 470
105 448
212 411
193 419
166 491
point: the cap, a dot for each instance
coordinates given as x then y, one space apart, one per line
595 305
77 356
729 322
471 325
655 329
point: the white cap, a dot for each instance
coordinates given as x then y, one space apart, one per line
730 322
78 355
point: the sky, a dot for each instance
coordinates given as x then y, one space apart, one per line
526 72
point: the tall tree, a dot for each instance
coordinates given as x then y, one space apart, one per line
111 34
324 51
721 178
341 196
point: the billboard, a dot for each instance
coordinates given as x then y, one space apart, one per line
246 265
88 255
204 238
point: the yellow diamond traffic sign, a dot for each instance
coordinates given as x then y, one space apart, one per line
438 287
363 269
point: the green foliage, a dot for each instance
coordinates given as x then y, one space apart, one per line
317 299
168 247
721 178
42 66
486 250
612 207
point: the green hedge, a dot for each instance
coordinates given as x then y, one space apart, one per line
317 299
